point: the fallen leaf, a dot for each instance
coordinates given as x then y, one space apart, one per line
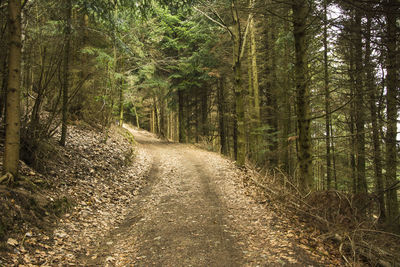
109 258
12 242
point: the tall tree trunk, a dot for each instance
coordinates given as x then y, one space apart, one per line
221 115
169 125
156 118
234 132
352 153
359 105
286 107
204 111
351 122
67 41
300 12
137 117
238 87
250 114
3 92
121 103
197 118
254 69
334 159
377 157
272 99
327 96
392 113
181 114
162 115
251 135
188 118
13 124
120 97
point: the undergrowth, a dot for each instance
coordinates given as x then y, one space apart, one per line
350 221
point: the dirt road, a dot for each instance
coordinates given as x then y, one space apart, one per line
181 219
194 211
174 205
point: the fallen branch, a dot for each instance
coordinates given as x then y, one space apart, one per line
363 249
296 206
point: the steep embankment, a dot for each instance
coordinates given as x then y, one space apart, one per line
54 217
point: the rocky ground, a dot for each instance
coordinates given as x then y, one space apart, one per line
168 205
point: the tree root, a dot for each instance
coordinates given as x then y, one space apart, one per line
7 178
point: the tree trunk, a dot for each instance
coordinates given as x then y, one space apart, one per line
238 87
181 114
3 92
188 126
359 105
137 117
377 157
221 115
162 114
67 41
156 121
197 118
204 112
334 159
300 12
13 124
391 100
272 99
352 141
254 71
153 120
251 125
327 96
235 131
286 107
121 103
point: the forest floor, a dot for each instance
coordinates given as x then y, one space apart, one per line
174 205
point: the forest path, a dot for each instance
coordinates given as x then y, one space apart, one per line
173 205
194 212
180 219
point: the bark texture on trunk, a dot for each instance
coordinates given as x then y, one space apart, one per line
254 70
238 87
221 116
377 155
300 13
181 115
13 124
327 99
67 44
392 113
359 105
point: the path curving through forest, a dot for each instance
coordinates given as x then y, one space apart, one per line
180 218
194 212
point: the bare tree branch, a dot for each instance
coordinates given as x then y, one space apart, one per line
213 20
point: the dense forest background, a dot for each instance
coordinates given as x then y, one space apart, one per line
307 90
